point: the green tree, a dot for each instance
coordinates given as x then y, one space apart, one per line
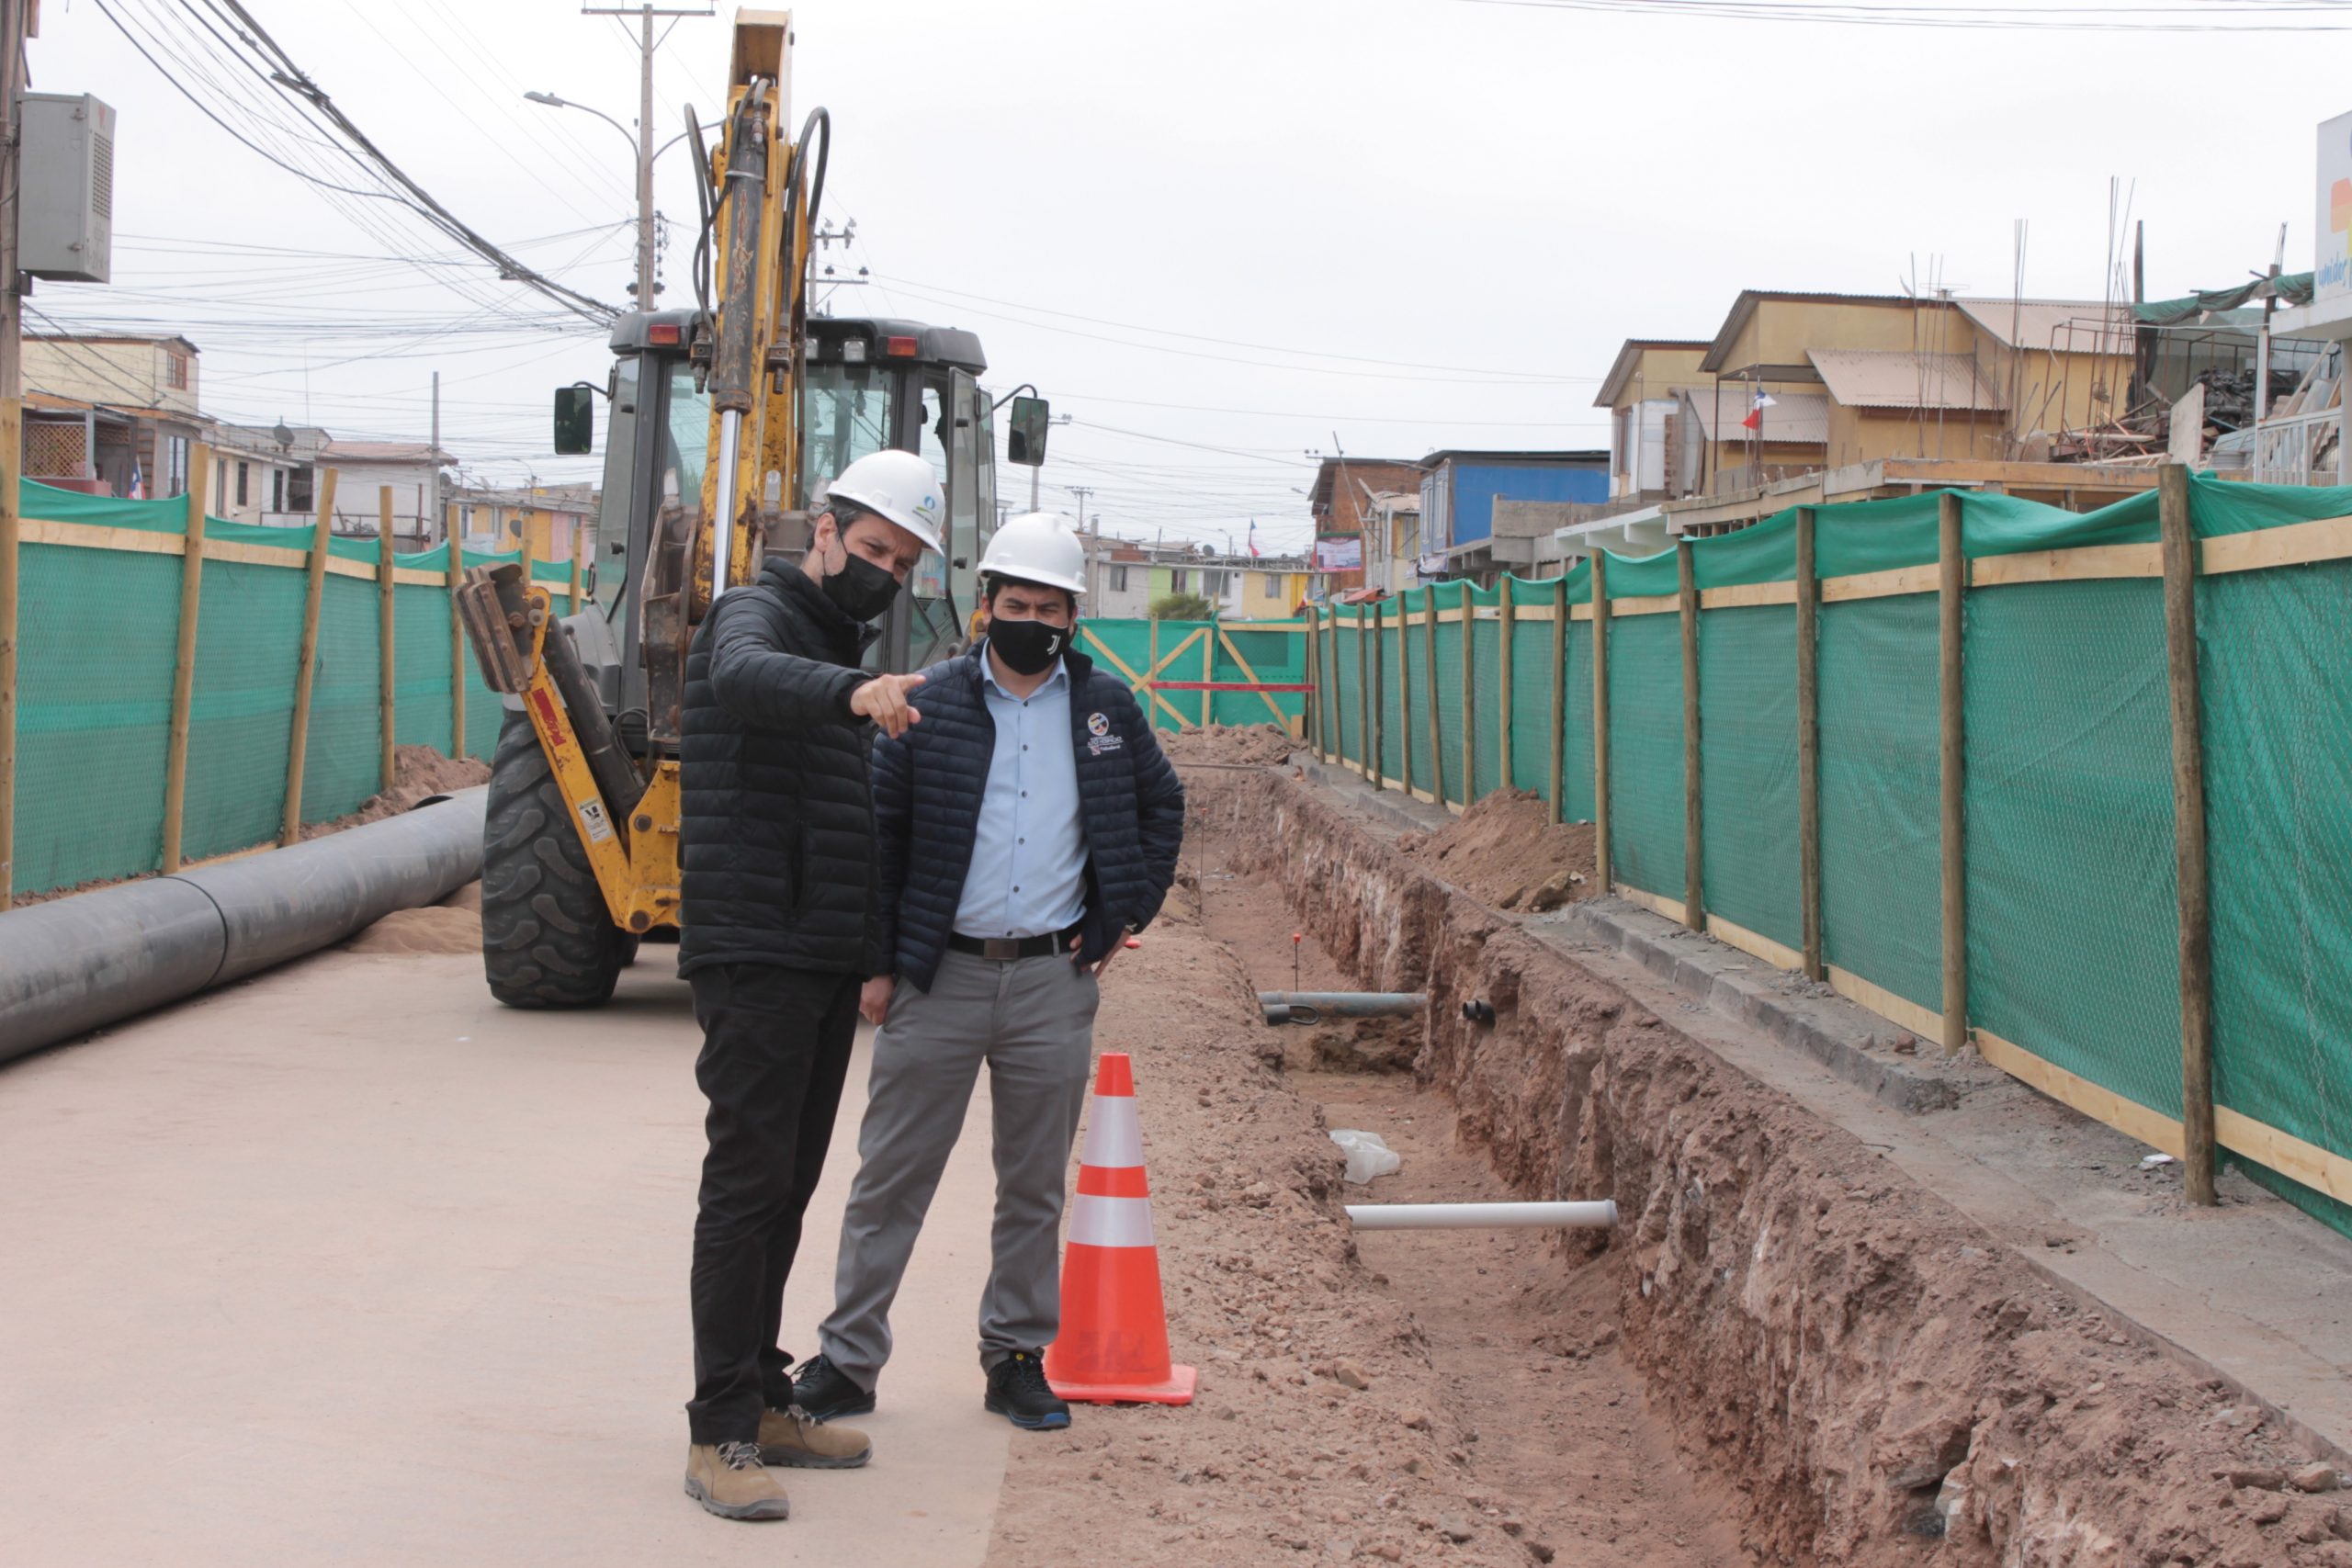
1182 607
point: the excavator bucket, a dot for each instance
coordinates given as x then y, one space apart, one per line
498 623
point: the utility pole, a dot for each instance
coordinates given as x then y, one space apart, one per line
646 44
16 20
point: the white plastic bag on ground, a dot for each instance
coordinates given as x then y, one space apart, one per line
1367 1155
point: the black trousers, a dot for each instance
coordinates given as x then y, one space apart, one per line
775 1050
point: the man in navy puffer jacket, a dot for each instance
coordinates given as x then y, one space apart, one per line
1026 826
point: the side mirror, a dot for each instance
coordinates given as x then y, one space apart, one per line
1025 441
575 420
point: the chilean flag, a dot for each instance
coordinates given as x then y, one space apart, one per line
1755 420
1253 539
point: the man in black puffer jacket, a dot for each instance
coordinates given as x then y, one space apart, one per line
1026 829
780 928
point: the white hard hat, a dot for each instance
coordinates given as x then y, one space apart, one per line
1038 547
897 487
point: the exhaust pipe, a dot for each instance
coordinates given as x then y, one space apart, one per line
74 965
1311 1006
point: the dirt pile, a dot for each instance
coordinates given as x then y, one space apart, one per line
1870 1369
1507 850
1236 745
417 771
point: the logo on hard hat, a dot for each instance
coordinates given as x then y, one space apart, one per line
928 507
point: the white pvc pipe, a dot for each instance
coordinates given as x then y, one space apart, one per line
1597 1215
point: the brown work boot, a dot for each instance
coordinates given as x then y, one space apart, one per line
727 1479
789 1437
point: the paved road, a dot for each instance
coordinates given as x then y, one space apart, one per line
350 1265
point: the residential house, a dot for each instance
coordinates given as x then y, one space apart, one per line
110 413
1461 488
1648 427
1118 578
268 476
1900 403
557 520
1341 505
1392 552
1262 587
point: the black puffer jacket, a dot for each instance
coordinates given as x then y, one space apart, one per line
928 786
777 829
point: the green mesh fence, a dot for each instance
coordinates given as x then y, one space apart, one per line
98 632
1881 852
2072 938
1273 654
1449 698
1413 645
2278 730
1349 689
1389 687
1486 698
1748 770
1645 812
1576 737
1530 698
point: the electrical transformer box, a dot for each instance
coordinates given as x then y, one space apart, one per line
66 229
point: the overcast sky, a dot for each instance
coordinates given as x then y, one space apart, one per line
1222 235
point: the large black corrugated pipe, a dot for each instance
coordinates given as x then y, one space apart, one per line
73 964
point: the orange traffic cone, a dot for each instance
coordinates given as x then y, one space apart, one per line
1113 1342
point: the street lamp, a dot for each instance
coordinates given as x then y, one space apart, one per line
637 142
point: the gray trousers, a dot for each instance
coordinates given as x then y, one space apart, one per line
1032 1022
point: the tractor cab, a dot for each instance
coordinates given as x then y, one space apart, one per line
866 385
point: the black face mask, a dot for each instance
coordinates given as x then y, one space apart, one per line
1027 648
860 590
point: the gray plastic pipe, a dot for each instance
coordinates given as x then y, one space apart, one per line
1598 1214
77 964
1311 1007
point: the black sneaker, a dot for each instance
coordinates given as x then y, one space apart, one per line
823 1391
1019 1392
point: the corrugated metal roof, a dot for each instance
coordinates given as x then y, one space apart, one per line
382 452
2068 326
1897 379
1798 418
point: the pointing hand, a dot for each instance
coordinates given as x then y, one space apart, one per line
884 700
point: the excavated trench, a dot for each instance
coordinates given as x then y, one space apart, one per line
1865 1370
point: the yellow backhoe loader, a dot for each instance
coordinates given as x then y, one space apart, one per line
726 420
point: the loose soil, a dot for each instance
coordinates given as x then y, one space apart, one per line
452 926
1229 744
1507 850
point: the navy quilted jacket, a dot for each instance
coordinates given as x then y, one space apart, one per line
927 789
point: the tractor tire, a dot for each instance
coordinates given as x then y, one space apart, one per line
546 938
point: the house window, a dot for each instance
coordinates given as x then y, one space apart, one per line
1211 585
298 490
278 490
245 483
1118 579
219 479
1273 586
176 370
1176 577
175 454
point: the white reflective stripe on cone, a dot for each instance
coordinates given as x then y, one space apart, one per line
1113 1133
1110 1221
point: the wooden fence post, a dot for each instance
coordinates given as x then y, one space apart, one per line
1469 697
1507 634
1208 671
1601 866
1429 690
2180 547
1405 693
386 668
1694 911
457 645
298 740
1952 585
1559 697
12 451
184 662
1152 676
1809 746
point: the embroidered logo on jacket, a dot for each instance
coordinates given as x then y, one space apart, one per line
1097 724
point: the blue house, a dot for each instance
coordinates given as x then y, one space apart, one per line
1459 489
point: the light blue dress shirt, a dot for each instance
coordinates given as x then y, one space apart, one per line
1028 875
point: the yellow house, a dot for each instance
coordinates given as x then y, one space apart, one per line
1642 394
2058 363
1892 402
